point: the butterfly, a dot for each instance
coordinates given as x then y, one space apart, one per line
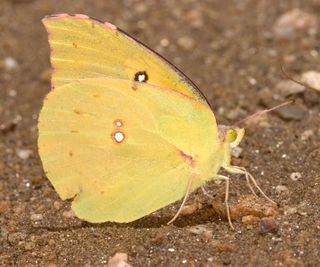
123 132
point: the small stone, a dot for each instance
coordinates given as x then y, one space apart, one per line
311 98
186 42
164 42
12 93
158 239
24 153
235 114
51 242
119 260
291 112
306 135
201 230
10 63
194 16
69 214
268 225
29 246
57 205
288 88
250 220
295 176
52 264
171 249
250 205
36 217
293 22
312 78
281 189
4 206
223 247
236 151
260 121
291 210
190 209
15 238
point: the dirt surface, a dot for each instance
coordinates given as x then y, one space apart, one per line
230 50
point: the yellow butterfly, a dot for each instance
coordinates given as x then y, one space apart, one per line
123 132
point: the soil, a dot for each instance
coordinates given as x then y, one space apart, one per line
228 48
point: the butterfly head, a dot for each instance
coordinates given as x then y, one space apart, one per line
230 137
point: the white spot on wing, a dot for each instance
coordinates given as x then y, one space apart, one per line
118 137
118 123
141 77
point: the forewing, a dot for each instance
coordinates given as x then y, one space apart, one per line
86 48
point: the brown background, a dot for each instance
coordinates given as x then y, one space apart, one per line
228 49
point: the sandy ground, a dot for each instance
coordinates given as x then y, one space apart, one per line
230 50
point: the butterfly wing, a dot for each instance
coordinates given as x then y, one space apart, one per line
86 48
120 152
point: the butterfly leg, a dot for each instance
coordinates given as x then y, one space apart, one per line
184 200
226 200
249 177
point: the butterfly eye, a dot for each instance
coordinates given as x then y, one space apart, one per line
234 136
141 76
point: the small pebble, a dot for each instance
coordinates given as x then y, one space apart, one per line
119 260
4 206
250 205
312 78
281 189
291 112
223 247
14 238
291 211
57 205
24 153
190 209
250 220
293 22
186 42
236 151
29 246
295 176
12 93
195 17
171 249
197 230
306 135
311 98
287 88
10 63
68 214
36 217
268 225
235 114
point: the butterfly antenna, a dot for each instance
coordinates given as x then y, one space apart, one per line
184 200
261 112
287 76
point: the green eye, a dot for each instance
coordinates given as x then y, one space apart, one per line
232 135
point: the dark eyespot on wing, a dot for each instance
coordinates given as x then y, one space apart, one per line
141 76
